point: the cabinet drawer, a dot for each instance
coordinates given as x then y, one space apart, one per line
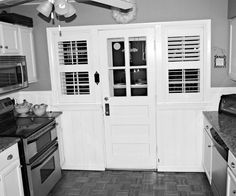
8 156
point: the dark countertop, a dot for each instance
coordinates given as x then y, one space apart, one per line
6 142
50 114
225 125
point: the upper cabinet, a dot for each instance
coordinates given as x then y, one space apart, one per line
26 44
231 9
8 39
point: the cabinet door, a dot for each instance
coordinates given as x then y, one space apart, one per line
231 183
11 180
60 140
27 49
207 159
9 39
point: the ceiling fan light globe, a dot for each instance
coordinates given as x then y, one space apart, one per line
45 8
61 7
71 11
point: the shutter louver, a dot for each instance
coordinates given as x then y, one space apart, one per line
75 83
184 81
73 52
183 48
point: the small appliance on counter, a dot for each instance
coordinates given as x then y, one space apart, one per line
228 104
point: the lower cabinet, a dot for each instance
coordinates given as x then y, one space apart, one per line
207 151
10 173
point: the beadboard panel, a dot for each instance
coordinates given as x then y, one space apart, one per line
83 140
179 140
178 125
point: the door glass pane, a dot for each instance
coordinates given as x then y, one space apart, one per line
137 51
138 79
117 48
47 169
117 78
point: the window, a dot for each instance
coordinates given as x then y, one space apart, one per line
72 58
184 63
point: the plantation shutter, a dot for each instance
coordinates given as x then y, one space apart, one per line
73 67
184 63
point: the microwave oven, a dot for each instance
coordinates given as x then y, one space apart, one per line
13 73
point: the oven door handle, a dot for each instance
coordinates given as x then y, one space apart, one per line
42 133
55 148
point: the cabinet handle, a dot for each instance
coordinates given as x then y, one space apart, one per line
232 164
9 157
6 47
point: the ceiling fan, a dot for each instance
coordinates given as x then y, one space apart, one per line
121 4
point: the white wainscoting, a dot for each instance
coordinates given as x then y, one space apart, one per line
179 140
179 131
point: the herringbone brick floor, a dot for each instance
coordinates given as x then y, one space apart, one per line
131 183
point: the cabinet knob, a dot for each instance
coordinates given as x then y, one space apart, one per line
232 164
207 126
209 146
6 47
234 191
9 157
1 46
106 98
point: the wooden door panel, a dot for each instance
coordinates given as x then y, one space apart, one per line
128 87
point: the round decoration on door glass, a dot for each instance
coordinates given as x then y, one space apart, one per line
123 16
117 46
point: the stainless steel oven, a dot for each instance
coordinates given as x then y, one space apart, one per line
38 148
36 143
44 171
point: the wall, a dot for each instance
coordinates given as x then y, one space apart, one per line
148 11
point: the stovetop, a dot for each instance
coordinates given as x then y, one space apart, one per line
23 127
15 126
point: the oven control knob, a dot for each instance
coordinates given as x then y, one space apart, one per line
232 164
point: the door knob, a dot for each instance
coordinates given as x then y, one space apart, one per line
106 98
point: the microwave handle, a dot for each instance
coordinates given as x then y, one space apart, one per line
55 148
42 133
22 73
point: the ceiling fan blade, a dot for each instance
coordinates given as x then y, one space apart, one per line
122 4
9 3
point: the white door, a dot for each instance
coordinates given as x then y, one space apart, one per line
128 77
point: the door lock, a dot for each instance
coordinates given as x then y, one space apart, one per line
107 109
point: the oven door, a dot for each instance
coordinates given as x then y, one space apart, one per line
38 142
44 172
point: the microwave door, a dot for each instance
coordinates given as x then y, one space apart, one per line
9 79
